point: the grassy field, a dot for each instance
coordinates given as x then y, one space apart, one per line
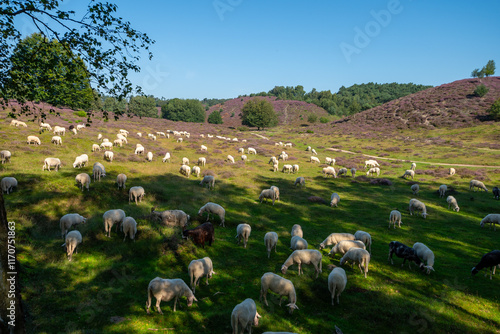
103 290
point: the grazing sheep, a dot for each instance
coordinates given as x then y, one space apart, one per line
267 193
371 164
118 142
129 227
14 122
365 237
334 200
215 209
314 159
359 256
425 254
300 180
171 217
489 260
373 170
342 171
106 145
353 172
99 136
69 220
244 157
73 239
452 171
337 280
492 219
308 148
161 134
123 138
415 188
202 161
33 140
45 126
276 192
287 168
166 157
198 269
112 217
281 286
81 161
406 253
415 204
185 161
136 193
83 179
295 169
179 140
304 256
98 171
327 171
185 170
105 140
138 150
230 159
241 150
297 231
409 173
244 315
477 184
7 184
343 246
59 130
273 160
298 243
95 147
413 166
149 157
395 216
120 180
496 191
243 232
108 155
196 171
335 238
5 156
313 151
271 240
123 132
167 289
442 190
283 156
275 167
200 234
329 161
56 140
51 162
452 202
209 180
251 150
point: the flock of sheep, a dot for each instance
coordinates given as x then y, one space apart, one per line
354 248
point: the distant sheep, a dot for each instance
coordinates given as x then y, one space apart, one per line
213 208
287 168
73 239
57 140
415 204
196 171
477 184
59 130
185 161
200 234
304 256
243 233
98 171
171 217
413 166
415 188
329 161
337 280
314 159
425 254
106 145
452 202
208 180
83 179
108 155
185 170
51 162
112 217
298 243
452 171
230 159
334 200
275 167
251 150
70 220
343 246
267 194
395 217
244 315
95 147
280 286
335 238
244 157
168 289
81 161
149 157
5 156
166 157
271 241
136 193
329 171
359 256
371 164
202 161
408 173
7 184
353 172
276 192
129 228
300 181
138 150
33 140
442 190
120 180
200 268
313 151
297 231
492 219
496 191
373 170
406 253
489 260
295 169
342 171
366 238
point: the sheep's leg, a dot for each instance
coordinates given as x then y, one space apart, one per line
207 279
175 302
158 300
300 267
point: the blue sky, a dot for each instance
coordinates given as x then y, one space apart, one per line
226 48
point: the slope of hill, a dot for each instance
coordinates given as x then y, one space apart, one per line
450 105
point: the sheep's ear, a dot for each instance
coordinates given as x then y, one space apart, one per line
257 315
195 298
63 245
214 273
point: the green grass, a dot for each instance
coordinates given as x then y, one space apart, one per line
108 277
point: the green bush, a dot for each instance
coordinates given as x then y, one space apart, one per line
324 120
312 118
243 128
80 113
481 90
495 110
215 118
310 131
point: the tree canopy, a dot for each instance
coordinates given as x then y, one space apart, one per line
487 70
215 117
260 113
189 110
143 106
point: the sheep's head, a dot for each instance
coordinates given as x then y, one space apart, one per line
256 319
429 269
481 223
84 220
191 299
457 209
292 307
321 246
424 214
284 269
474 271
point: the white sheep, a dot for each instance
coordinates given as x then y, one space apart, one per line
203 148
287 168
59 130
81 161
244 157
267 193
442 190
99 136
327 171
335 238
371 163
452 171
334 200
196 171
213 208
136 193
209 180
308 148
70 220
112 217
241 150
202 161
297 230
185 170
243 232
330 161
280 286
283 156
276 192
198 269
95 147
167 289
120 180
298 243
492 219
304 256
108 155
7 184
51 162
415 204
395 216
343 246
33 140
365 237
244 315
271 240
313 151
106 145
123 132
118 142
300 180
373 170
138 150
98 171
5 156
295 169
359 256
230 159
409 173
149 157
171 217
415 188
45 126
251 150
105 140
353 172
275 166
413 166
342 171
185 161
426 255
452 201
166 157
477 184
179 140
57 140
139 134
161 134
129 227
73 239
83 179
314 159
337 280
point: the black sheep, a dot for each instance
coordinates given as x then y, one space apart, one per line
489 260
496 192
404 252
201 234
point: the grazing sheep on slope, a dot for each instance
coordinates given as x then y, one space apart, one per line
251 151
297 230
196 171
267 193
373 170
230 159
359 256
245 315
83 179
489 260
202 161
452 171
149 157
167 289
98 171
215 209
300 180
409 173
271 240
200 234
327 171
334 200
395 216
353 172
112 217
33 140
129 228
7 184
343 246
415 204
342 171
136 193
477 184
365 237
304 256
492 219
198 269
73 239
415 188
209 180
281 286
425 254
496 190
69 220
452 202
295 169
329 161
51 162
442 190
56 140
108 155
81 161
276 192
171 217
185 170
95 148
243 232
337 280
413 166
287 168
335 238
314 159
5 156
166 157
298 243
120 180
404 252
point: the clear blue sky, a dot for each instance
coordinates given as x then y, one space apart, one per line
226 48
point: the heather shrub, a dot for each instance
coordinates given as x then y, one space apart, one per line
481 90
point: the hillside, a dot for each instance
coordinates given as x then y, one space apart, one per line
451 105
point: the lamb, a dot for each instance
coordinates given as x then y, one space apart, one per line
244 314
271 240
7 184
415 188
73 239
337 280
313 151
215 209
83 179
342 171
496 190
251 150
196 171
373 170
477 184
230 159
120 180
69 220
98 171
335 238
297 230
492 219
56 140
298 243
452 171
166 157
171 217
138 150
415 204
329 171
51 162
404 252
489 260
365 237
353 172
243 232
409 173
329 161
334 200
442 190
5 156
202 161
33 140
281 286
108 155
136 193
295 169
300 180
129 227
167 289
81 161
209 180
159 133
425 254
395 216
452 202
275 167
276 192
413 166
304 256
149 157
343 246
267 193
314 159
198 269
287 168
59 130
200 234
359 256
185 170
112 217
95 147
308 148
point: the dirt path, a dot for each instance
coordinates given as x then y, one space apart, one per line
261 136
418 162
